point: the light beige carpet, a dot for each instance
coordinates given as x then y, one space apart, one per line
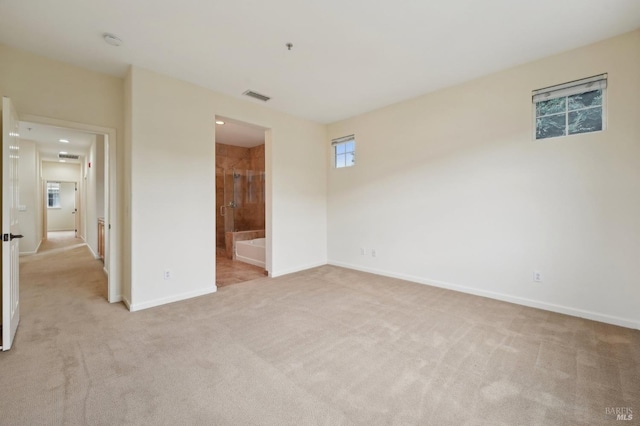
327 346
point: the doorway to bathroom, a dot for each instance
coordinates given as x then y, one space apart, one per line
240 202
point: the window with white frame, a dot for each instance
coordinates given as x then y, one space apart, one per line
53 195
570 108
344 151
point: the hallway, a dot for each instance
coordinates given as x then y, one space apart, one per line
58 240
63 270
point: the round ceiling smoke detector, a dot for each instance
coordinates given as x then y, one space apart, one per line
112 40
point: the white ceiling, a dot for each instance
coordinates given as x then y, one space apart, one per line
349 56
239 134
47 139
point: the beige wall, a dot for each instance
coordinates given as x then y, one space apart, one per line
93 192
63 172
100 175
48 88
173 187
29 215
451 190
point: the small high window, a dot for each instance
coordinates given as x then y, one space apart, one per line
344 151
570 108
53 195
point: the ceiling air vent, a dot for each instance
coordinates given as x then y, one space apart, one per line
69 156
256 95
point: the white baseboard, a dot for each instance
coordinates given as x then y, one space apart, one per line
106 272
93 253
126 302
250 261
297 269
30 253
576 312
163 301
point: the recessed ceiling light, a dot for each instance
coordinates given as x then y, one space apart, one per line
112 40
220 122
64 140
63 161
63 152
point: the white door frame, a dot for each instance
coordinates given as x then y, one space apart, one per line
268 143
112 219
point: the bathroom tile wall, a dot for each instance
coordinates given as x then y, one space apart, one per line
249 163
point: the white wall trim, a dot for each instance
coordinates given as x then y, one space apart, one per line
31 253
121 298
296 269
95 256
595 316
170 299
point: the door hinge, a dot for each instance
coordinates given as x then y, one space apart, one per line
5 237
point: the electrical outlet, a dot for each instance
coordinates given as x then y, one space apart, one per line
537 276
363 251
167 274
373 253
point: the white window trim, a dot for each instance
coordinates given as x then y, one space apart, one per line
572 88
58 189
597 82
338 141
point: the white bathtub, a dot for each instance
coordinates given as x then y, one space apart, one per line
251 251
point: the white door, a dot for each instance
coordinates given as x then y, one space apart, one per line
10 228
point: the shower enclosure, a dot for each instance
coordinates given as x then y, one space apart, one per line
243 207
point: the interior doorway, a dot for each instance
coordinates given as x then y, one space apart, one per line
63 153
241 202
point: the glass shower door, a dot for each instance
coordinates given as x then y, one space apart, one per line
229 206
